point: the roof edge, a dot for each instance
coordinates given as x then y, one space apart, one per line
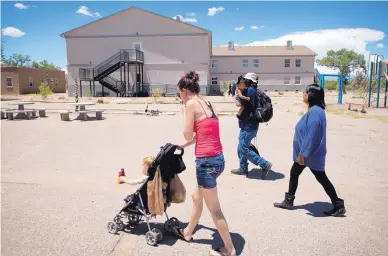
127 9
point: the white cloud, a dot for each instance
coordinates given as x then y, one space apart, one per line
321 41
85 11
380 45
213 11
21 6
12 32
193 20
256 27
191 14
239 28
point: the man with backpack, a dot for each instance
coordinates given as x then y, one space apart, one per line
257 108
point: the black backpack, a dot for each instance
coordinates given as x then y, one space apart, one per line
169 162
263 111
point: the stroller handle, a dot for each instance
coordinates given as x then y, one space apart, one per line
181 149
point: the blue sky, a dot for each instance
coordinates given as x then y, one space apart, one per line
33 28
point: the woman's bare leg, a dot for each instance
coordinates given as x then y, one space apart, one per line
213 204
195 215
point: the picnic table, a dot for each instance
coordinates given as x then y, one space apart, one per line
83 111
21 112
20 104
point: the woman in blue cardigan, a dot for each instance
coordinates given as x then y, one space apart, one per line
310 150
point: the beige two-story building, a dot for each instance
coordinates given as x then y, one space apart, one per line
135 51
282 68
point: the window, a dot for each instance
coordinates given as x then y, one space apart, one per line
214 63
9 82
245 63
214 80
297 80
136 46
286 80
31 81
298 63
256 63
287 63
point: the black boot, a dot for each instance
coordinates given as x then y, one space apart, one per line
288 202
338 209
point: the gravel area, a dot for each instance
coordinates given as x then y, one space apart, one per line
58 186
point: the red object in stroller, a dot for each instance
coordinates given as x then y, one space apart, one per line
136 204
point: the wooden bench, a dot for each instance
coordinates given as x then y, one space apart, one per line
65 115
97 111
363 106
28 112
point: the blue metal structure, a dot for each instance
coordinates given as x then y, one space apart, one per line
340 84
376 72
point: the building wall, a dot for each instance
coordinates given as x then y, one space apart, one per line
56 80
12 73
170 49
271 71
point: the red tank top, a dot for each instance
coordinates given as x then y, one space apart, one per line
208 141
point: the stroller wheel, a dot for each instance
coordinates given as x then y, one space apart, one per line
174 222
159 234
120 225
170 224
151 238
113 228
167 226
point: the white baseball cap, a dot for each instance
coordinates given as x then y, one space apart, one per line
251 76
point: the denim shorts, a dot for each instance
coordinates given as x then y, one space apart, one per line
208 169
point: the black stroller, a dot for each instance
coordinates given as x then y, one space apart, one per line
136 204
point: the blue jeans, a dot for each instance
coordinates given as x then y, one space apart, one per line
208 169
245 154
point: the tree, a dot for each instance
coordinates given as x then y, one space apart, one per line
2 50
44 64
345 61
18 60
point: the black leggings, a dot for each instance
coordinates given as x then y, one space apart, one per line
321 177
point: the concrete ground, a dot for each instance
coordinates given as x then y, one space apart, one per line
58 184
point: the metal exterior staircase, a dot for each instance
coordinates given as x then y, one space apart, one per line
102 72
113 84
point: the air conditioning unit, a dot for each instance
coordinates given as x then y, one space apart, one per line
289 45
231 46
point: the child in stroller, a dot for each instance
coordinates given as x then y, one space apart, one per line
136 204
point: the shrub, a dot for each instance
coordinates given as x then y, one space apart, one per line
44 90
331 85
224 88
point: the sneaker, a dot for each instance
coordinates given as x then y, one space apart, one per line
239 172
266 170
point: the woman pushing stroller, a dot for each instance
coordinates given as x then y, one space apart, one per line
201 119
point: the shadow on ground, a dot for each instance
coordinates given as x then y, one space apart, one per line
315 209
170 239
257 174
9 99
